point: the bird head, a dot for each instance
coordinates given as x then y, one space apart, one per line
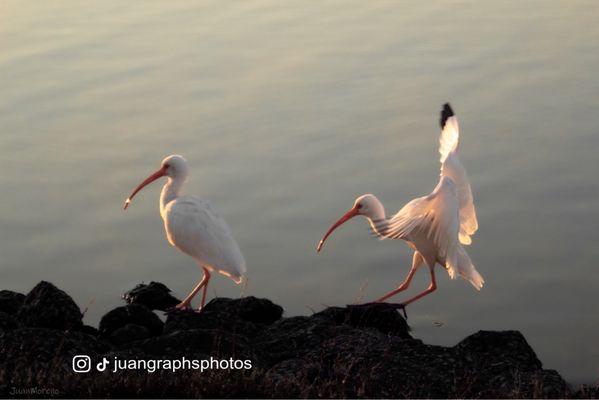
367 205
174 166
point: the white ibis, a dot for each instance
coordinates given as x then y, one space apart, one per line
193 226
435 226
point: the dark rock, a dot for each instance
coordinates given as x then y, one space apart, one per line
552 385
90 330
130 314
43 358
252 309
295 337
181 321
32 345
129 333
187 320
198 344
288 379
190 342
10 301
314 356
371 364
587 392
487 349
246 316
366 363
380 316
340 352
155 296
7 322
46 306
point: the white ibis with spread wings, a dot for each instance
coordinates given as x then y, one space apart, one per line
436 226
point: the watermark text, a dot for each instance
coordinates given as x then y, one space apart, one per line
84 364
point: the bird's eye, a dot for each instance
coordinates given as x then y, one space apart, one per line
360 205
167 166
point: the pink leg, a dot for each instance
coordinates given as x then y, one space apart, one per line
431 288
185 303
416 262
207 278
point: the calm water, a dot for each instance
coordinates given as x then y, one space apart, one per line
288 110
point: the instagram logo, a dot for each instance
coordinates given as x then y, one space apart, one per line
81 364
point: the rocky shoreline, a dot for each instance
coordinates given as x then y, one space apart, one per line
354 351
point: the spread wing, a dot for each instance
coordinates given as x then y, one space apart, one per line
453 169
449 206
195 227
410 217
434 216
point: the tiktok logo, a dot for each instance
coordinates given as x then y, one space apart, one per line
101 366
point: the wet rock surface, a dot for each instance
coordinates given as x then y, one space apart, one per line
364 351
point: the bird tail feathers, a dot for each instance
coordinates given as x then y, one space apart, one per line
463 266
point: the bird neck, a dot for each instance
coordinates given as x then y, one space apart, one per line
376 213
170 191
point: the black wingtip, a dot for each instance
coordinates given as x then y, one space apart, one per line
446 113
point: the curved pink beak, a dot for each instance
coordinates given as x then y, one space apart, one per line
158 174
346 217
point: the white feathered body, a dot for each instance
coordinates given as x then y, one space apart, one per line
440 224
196 228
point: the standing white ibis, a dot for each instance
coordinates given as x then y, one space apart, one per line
193 226
435 226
